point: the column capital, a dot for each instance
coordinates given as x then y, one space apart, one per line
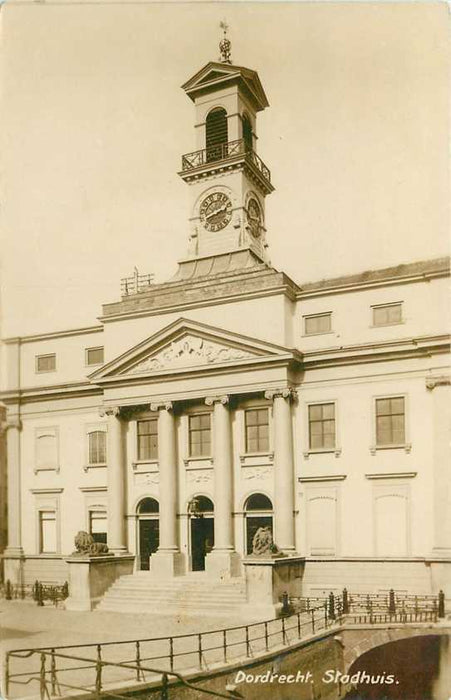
162 406
284 393
109 411
10 423
211 400
432 382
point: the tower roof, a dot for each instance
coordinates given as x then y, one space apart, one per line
215 75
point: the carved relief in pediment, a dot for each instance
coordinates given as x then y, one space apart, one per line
190 351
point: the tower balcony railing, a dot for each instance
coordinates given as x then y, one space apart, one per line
224 151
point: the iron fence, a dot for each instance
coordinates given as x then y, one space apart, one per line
132 661
390 602
37 591
99 667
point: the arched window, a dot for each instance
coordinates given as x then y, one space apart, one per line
216 134
258 513
247 133
148 506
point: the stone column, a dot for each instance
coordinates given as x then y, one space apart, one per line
223 560
116 481
283 468
13 554
167 560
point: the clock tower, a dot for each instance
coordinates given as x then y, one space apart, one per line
227 178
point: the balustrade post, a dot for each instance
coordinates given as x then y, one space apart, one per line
391 602
441 604
345 602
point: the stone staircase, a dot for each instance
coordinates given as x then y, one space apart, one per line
196 593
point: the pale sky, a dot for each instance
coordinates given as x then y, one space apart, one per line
94 125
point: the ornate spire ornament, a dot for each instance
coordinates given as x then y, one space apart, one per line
225 45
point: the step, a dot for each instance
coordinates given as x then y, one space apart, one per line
140 592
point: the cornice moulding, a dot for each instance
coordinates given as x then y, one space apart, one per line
216 301
53 334
368 284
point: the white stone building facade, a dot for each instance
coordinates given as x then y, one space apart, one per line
320 410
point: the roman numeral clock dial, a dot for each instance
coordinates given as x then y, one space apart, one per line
215 211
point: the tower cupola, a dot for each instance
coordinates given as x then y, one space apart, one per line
227 178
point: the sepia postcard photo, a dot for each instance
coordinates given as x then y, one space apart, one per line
225 407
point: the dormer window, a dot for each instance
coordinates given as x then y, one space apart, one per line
216 134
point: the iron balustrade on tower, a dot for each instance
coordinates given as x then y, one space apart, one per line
223 152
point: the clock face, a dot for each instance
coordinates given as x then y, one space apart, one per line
215 211
254 217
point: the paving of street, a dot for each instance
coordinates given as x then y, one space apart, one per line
24 625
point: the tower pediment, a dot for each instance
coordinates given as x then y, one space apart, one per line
215 74
185 345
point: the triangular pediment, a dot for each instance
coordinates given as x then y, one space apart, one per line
216 73
185 345
212 75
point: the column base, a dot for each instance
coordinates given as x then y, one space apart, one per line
222 564
167 564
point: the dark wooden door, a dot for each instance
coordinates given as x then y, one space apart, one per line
202 541
149 539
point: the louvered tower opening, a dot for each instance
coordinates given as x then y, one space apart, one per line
247 133
216 134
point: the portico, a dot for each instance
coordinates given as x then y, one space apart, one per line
220 469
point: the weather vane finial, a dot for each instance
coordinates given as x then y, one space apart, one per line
225 45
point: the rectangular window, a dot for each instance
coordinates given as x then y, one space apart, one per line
94 356
200 435
98 525
47 532
147 431
45 363
390 421
387 314
319 323
97 447
257 430
321 418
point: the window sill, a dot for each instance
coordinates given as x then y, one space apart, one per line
335 451
200 462
145 465
100 465
405 446
311 335
385 325
266 457
44 371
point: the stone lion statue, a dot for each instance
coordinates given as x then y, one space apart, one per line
263 544
84 544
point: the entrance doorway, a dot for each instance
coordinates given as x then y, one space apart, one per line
148 531
202 531
258 513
